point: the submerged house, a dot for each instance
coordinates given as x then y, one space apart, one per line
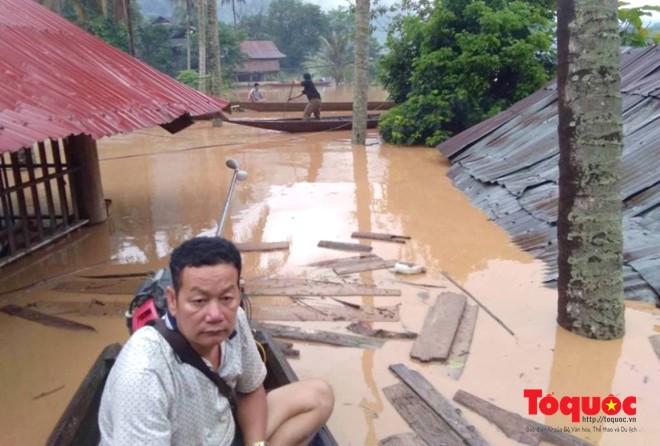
61 89
263 61
508 166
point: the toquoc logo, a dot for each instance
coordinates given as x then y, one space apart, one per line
575 406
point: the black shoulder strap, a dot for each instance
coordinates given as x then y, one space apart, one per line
187 354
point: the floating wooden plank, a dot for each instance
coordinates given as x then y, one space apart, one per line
344 246
421 418
44 319
320 336
382 237
655 343
324 313
364 266
345 261
497 319
441 405
115 276
407 439
262 246
364 329
304 287
105 286
92 307
460 348
514 426
440 325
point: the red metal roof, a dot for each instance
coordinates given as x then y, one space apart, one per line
57 80
261 49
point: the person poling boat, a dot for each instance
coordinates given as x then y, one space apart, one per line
313 96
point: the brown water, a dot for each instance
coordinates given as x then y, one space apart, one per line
304 188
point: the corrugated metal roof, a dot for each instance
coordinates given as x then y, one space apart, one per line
508 166
57 80
261 49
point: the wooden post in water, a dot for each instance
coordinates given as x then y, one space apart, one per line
85 177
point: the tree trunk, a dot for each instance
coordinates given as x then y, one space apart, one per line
189 26
201 36
589 227
129 27
362 34
216 74
233 10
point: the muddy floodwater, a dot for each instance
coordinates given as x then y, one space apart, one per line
304 188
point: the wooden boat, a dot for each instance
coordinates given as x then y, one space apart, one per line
265 106
297 125
78 425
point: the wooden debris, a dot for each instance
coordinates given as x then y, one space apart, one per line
324 313
460 348
324 337
344 246
423 285
365 329
115 276
303 287
262 246
655 342
381 237
422 419
125 286
43 394
364 266
407 439
498 320
44 319
93 307
441 405
345 261
287 349
514 426
348 304
440 325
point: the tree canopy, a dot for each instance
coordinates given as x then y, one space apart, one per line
454 63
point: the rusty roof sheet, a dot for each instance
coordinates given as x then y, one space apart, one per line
57 80
261 49
508 166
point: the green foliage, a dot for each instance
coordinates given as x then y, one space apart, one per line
420 120
188 77
295 28
468 58
633 31
153 46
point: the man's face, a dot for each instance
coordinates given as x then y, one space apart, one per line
205 307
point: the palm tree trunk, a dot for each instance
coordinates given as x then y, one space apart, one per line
589 227
129 27
362 33
201 36
233 10
189 25
216 74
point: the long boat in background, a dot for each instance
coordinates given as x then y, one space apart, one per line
297 125
265 106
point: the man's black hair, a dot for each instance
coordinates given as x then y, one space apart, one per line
256 84
307 76
202 251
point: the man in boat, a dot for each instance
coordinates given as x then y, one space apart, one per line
313 96
152 396
255 95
